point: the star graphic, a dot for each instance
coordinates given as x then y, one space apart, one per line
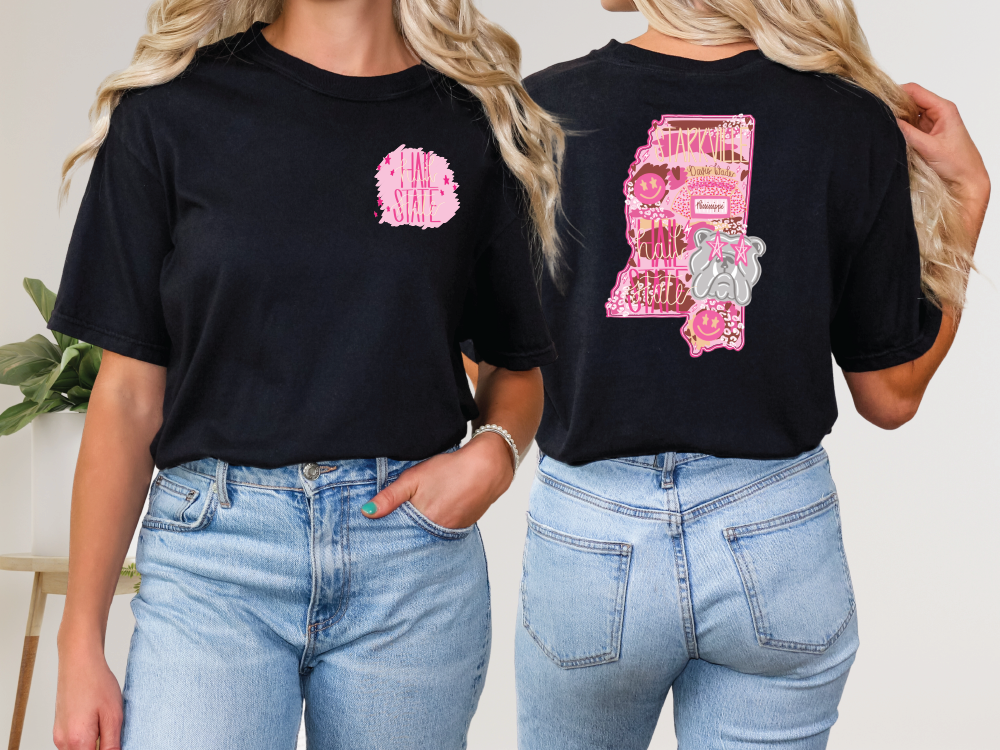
380 202
392 172
388 159
716 247
741 251
446 179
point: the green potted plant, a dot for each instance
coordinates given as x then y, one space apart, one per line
52 376
55 380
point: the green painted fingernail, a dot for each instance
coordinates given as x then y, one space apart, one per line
369 508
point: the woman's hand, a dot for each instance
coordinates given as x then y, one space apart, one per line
453 490
88 700
943 140
456 489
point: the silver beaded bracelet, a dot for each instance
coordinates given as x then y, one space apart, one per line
516 457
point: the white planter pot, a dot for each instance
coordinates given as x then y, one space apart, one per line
55 445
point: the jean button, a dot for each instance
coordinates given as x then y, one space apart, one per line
311 471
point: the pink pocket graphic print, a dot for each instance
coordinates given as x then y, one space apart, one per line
416 188
687 199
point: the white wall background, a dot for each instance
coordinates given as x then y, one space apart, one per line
920 505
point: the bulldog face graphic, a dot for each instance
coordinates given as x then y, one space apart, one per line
724 266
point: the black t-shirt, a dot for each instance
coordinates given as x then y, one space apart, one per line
700 314
298 249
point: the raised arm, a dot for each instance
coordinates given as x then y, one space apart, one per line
889 398
112 477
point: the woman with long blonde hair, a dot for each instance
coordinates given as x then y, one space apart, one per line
289 208
740 203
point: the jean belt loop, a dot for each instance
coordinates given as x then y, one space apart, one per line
669 461
381 473
221 483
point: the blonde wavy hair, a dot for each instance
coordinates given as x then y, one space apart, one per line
452 36
824 36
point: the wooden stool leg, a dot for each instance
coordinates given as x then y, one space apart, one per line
36 610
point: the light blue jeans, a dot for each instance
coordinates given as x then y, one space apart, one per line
264 588
722 579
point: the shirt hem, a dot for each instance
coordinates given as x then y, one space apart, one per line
577 460
901 355
519 362
234 459
114 342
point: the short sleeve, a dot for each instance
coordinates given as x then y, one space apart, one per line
503 316
469 350
883 318
109 295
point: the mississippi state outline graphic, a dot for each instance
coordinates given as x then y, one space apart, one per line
687 199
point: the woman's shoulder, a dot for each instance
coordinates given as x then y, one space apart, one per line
840 102
560 76
222 61
144 113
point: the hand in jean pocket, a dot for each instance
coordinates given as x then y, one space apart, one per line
453 490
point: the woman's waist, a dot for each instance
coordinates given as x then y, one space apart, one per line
675 482
302 475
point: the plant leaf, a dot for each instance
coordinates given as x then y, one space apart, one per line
21 369
68 379
90 363
31 385
14 418
64 341
18 362
78 395
43 297
45 301
80 408
41 346
38 391
20 415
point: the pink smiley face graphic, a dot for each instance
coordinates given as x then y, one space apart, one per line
650 188
708 325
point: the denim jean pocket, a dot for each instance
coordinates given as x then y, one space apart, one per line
436 529
795 575
573 595
180 505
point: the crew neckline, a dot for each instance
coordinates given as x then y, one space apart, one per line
357 88
629 54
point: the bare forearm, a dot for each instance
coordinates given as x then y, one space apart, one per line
889 398
513 400
471 369
112 476
975 197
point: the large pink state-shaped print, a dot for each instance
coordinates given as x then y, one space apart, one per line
416 188
687 198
